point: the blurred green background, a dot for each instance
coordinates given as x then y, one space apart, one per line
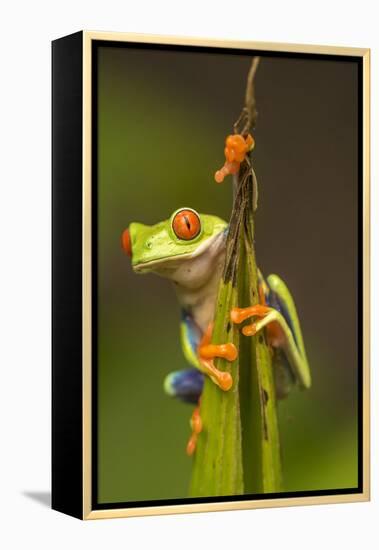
162 120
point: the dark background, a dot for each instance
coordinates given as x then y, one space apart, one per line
162 121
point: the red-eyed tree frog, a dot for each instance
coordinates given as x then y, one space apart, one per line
189 249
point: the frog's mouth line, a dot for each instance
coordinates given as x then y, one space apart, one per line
212 241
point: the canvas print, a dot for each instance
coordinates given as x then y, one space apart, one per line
226 342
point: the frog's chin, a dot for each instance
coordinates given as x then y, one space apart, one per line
168 265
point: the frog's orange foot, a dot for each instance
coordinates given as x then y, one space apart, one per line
268 320
236 148
197 426
207 352
240 314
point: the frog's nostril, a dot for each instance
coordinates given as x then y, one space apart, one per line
126 242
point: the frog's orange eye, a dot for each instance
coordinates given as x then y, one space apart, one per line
186 225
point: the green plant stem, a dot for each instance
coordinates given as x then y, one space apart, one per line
218 459
238 450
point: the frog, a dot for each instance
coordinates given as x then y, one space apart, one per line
188 249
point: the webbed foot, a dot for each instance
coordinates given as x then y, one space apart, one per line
240 314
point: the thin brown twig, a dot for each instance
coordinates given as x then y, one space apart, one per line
249 111
250 102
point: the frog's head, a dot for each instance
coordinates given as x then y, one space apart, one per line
185 248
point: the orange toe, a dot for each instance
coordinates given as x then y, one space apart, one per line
249 330
191 445
225 381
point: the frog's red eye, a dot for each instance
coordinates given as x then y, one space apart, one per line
126 242
186 225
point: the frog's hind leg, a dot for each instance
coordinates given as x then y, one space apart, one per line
282 300
187 385
278 315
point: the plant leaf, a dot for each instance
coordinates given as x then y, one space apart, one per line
238 450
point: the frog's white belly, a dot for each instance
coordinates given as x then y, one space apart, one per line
200 302
196 279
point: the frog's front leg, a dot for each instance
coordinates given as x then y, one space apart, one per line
199 351
278 315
